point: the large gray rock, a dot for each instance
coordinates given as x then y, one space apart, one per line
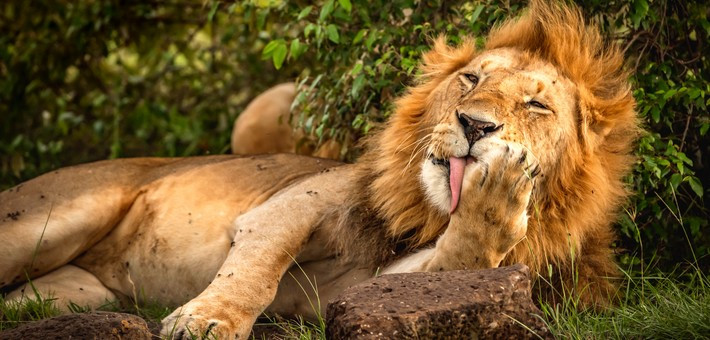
482 304
96 325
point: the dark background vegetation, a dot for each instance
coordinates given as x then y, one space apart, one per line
94 79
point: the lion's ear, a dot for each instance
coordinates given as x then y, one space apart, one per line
444 59
595 127
603 117
599 125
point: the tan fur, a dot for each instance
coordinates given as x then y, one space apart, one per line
264 128
218 236
580 197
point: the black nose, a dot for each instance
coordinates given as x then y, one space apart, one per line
475 129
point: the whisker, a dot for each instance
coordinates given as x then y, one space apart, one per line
423 140
409 135
416 141
416 150
420 147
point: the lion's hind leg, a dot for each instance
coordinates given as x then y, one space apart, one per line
48 221
67 286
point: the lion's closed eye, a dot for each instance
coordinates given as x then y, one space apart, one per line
469 81
538 107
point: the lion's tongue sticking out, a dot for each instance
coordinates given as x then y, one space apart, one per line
456 167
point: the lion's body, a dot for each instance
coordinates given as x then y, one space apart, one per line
512 154
264 127
158 228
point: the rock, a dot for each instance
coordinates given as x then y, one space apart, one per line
482 304
95 325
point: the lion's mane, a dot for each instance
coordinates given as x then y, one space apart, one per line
574 207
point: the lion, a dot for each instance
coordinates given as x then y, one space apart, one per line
514 153
264 128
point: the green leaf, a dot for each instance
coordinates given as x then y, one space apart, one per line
232 8
346 5
366 128
261 18
370 40
356 69
357 85
280 55
318 35
268 50
684 158
675 180
326 10
694 93
319 130
357 122
296 49
656 114
213 11
304 12
308 29
695 185
477 13
640 11
670 93
358 37
332 32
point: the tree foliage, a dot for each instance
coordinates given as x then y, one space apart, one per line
89 80
95 79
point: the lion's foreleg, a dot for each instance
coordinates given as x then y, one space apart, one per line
492 216
267 240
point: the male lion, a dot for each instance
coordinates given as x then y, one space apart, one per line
511 154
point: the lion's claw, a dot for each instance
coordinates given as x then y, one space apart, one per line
504 176
184 323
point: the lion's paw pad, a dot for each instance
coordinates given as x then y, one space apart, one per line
182 325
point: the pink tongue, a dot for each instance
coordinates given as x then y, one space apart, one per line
456 166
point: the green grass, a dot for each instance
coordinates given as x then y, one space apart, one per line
658 307
14 313
672 306
663 306
289 328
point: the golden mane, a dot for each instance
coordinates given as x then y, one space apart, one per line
576 203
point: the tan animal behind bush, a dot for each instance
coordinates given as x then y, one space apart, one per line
514 153
263 128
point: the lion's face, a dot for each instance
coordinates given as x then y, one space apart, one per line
501 96
547 86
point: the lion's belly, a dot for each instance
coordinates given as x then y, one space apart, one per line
178 231
169 271
305 290
168 247
318 277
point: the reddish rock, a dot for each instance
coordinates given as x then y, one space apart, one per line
96 325
482 304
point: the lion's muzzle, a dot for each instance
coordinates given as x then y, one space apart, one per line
475 129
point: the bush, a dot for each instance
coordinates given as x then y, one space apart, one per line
102 79
88 80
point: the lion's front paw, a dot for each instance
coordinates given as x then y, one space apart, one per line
504 176
197 321
495 195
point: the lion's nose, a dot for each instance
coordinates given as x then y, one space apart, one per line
475 129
